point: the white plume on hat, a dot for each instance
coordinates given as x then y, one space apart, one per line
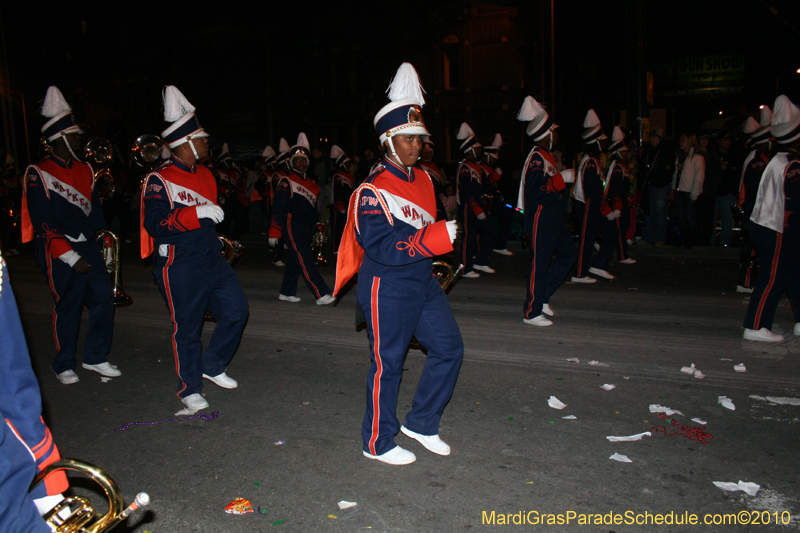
750 125
617 140
166 153
464 132
766 116
283 146
785 119
530 110
497 142
175 104
406 85
591 119
302 140
54 103
336 152
268 152
225 150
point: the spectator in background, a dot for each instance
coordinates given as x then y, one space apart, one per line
727 163
656 170
687 183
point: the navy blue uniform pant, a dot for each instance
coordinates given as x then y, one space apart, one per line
71 291
746 277
553 254
394 314
192 283
301 261
471 253
778 272
590 223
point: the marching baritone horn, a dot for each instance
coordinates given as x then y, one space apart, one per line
111 254
80 509
231 250
318 241
146 151
98 153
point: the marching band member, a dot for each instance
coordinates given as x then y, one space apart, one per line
774 228
178 214
390 239
591 203
26 444
61 205
753 169
617 187
473 216
263 183
342 189
497 206
426 163
294 214
553 253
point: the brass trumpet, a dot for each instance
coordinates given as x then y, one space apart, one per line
318 241
111 254
231 250
80 509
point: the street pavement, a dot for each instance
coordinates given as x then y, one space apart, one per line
289 438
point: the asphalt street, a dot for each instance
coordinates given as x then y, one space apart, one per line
288 439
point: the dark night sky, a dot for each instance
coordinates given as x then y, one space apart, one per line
213 54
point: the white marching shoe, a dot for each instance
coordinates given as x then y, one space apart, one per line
104 369
628 261
546 309
471 274
797 329
540 321
584 279
195 402
68 377
327 299
431 442
762 335
504 251
746 290
396 456
292 299
602 273
484 268
223 380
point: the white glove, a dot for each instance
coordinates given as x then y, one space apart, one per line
617 213
273 242
452 230
611 216
482 216
213 212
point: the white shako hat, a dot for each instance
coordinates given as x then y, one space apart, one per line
283 151
180 112
593 130
61 120
426 140
403 116
467 137
785 120
268 155
617 141
494 147
759 132
338 156
539 121
300 147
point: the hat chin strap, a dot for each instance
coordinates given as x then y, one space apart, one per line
75 157
191 145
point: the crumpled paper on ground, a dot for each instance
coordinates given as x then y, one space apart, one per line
726 402
570 417
608 387
740 367
701 422
239 506
750 488
621 458
344 504
555 403
573 360
630 438
655 408
597 363
693 371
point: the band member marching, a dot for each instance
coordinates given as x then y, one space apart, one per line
342 189
294 214
178 214
390 239
61 204
774 228
426 163
552 252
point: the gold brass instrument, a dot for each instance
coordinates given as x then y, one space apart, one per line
98 153
80 509
146 151
111 254
318 241
231 250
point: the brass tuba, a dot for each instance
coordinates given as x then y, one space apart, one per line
98 153
81 511
318 241
111 253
